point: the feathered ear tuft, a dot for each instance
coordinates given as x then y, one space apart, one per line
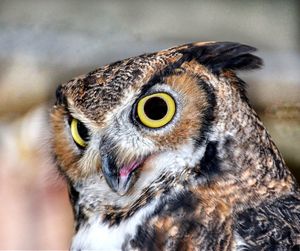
218 56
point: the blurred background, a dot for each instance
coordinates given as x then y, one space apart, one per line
45 43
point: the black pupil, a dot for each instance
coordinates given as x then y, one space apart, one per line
83 131
155 108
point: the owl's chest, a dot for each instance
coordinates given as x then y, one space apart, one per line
96 235
160 226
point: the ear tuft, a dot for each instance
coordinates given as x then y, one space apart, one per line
218 56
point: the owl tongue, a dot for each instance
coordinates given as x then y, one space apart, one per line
127 169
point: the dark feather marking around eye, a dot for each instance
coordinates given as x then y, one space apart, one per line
208 114
210 163
60 97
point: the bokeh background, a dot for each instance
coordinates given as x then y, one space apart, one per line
44 43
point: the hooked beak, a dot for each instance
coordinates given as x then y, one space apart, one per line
119 178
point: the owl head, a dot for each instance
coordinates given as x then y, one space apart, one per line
144 124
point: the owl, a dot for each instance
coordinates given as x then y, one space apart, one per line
163 152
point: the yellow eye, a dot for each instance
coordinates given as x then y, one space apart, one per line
79 133
156 110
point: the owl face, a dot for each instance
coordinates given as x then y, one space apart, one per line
120 128
150 123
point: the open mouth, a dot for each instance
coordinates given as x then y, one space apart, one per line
120 177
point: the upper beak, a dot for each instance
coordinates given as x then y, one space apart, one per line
119 178
110 172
